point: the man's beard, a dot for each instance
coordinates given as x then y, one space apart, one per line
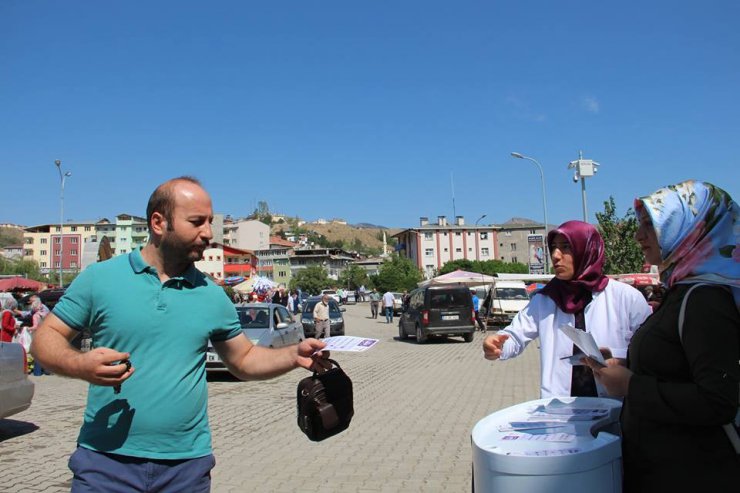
176 250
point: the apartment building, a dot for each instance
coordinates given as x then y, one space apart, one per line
333 260
274 262
246 234
55 246
222 261
431 245
513 239
81 241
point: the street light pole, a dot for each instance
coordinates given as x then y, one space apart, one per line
544 202
62 178
477 236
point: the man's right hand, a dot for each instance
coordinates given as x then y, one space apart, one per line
493 346
104 366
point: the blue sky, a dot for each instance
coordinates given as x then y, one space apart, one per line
364 110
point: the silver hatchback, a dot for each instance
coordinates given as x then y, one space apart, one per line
265 324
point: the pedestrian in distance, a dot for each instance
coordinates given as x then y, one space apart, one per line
476 306
388 306
680 380
582 296
280 297
374 303
151 314
8 319
321 321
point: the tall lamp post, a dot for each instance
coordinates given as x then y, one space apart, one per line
544 202
63 175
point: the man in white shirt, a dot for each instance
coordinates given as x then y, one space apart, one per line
321 317
388 306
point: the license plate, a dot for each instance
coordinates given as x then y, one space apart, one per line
450 317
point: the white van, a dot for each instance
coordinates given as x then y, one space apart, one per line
504 301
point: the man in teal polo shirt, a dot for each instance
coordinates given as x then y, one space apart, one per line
146 425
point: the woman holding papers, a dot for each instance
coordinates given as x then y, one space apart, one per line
581 296
681 380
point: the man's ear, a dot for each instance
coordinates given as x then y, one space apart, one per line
158 223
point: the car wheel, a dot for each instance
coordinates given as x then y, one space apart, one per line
402 333
420 337
468 337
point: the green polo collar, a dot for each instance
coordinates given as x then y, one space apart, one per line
139 265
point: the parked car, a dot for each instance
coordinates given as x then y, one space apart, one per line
336 319
332 294
16 390
438 311
397 303
504 301
265 324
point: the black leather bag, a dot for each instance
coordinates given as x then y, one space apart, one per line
325 403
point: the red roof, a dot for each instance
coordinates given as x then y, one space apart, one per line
21 284
276 240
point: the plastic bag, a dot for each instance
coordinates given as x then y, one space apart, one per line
23 337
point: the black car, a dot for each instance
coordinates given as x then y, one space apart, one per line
336 320
438 311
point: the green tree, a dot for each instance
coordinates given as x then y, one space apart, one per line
397 274
312 279
353 277
622 252
488 267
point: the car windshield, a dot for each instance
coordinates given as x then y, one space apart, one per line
333 308
254 318
448 299
511 294
398 296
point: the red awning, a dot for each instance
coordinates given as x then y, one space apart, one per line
21 284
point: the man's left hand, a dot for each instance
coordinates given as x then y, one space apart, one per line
309 359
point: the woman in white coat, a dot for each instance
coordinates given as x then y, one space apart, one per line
582 296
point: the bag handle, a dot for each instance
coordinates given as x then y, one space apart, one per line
333 362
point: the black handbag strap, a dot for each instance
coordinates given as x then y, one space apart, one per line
333 362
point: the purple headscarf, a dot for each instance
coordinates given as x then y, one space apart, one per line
587 248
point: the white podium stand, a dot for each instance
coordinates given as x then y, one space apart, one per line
563 445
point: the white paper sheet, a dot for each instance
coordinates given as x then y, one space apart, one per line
585 342
349 343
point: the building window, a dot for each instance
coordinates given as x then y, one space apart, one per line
513 247
532 231
73 265
484 235
428 235
43 252
429 252
507 233
57 229
210 257
57 252
56 239
281 274
43 241
73 240
445 233
457 233
56 265
87 228
218 258
484 252
458 250
470 249
73 228
73 252
43 264
446 250
514 260
29 241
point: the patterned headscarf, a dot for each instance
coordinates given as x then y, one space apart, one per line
698 229
587 248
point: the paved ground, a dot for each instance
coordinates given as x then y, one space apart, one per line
415 407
